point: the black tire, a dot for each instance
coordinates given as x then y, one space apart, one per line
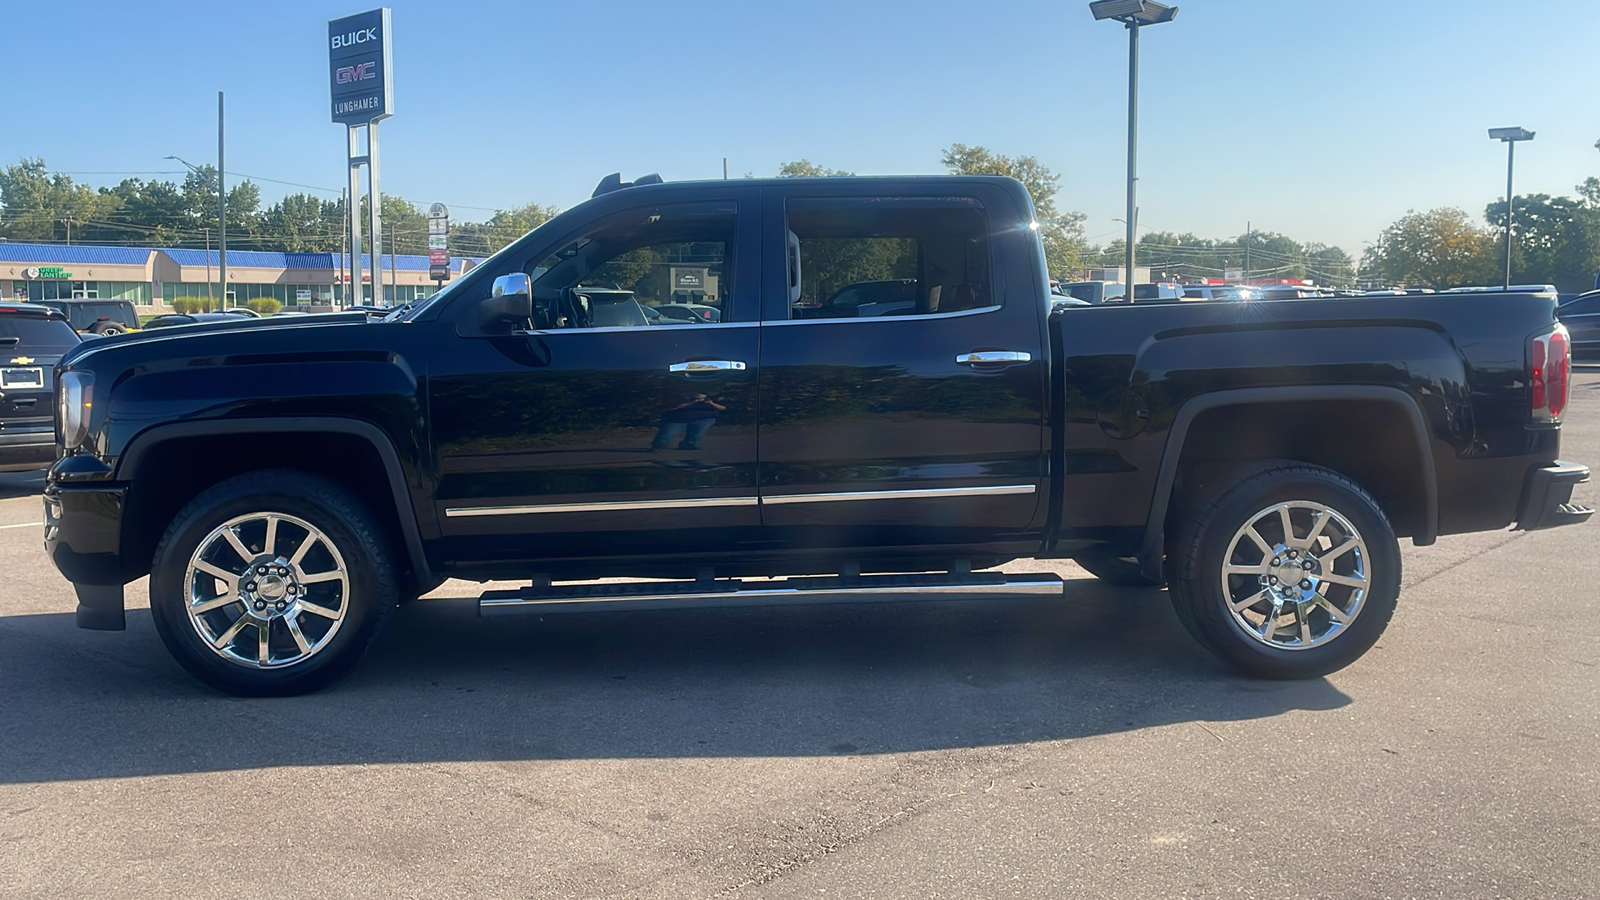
363 597
1203 546
1118 570
106 328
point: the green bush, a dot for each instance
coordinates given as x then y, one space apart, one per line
266 306
190 304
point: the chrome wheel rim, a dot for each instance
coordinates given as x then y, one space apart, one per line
1296 575
267 590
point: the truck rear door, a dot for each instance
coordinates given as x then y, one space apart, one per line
903 367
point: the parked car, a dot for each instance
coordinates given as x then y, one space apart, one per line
33 338
897 296
97 316
1263 466
1498 289
698 312
243 311
1157 292
1581 315
171 319
1218 292
1289 292
1094 292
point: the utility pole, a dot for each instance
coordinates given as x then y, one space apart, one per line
394 286
210 297
1247 252
222 218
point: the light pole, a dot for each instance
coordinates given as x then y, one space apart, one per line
223 284
1133 14
1510 136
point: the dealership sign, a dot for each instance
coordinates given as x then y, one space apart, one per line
359 68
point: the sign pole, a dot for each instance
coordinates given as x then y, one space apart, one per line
375 210
352 297
222 218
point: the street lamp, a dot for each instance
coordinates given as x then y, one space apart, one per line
222 215
1133 14
209 288
1510 136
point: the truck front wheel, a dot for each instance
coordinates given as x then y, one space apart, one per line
271 583
1290 572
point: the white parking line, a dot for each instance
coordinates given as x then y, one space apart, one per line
22 525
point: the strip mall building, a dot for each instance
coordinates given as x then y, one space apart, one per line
151 278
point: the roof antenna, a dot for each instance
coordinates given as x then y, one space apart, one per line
612 182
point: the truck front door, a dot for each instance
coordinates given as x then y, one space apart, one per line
602 427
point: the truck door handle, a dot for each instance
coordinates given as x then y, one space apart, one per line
991 357
702 366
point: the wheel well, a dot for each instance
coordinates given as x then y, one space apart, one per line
1371 442
176 470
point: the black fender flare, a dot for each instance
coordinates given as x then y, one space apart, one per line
405 510
1152 549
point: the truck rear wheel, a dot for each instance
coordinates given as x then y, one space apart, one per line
1291 572
271 583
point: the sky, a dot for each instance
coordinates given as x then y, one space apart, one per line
1325 120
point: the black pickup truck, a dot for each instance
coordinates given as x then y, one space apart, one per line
288 482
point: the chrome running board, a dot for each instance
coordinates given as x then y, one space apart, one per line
733 593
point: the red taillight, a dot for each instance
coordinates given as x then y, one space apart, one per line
1558 369
1549 371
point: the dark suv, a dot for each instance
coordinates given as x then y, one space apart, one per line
97 316
32 340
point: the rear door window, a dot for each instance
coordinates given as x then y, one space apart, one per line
869 258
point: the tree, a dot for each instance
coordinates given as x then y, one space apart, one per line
143 212
1556 240
42 207
1062 232
805 168
301 223
505 226
1440 248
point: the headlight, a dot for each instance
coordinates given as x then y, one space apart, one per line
74 398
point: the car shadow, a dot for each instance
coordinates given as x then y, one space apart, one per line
443 685
21 484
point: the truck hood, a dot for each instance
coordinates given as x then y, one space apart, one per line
178 333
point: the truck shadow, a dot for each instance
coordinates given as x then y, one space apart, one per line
443 685
21 484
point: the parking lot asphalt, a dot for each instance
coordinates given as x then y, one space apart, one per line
1080 746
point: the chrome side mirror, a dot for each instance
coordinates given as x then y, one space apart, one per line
510 302
517 283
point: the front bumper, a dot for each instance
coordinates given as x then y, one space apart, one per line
1547 496
83 537
23 450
